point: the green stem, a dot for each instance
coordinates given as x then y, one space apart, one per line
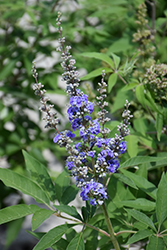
110 228
81 222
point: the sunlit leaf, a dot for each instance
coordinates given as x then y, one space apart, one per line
24 184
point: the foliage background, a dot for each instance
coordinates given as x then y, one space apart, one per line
28 32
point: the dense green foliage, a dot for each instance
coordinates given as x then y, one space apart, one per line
103 35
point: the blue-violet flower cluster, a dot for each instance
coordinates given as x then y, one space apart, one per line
95 155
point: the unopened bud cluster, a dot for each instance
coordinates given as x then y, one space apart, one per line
145 38
156 80
50 117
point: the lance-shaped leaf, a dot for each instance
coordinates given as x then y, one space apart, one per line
52 237
155 243
24 184
141 217
140 235
69 194
77 243
135 161
40 216
40 175
159 125
100 56
69 210
142 183
62 182
17 211
96 72
126 180
116 60
140 203
161 202
112 81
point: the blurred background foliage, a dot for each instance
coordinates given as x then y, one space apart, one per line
28 33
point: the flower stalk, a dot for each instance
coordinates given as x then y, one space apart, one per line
110 228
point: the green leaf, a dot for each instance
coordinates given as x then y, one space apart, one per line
38 236
159 125
40 175
139 216
13 229
40 216
142 183
116 60
17 211
77 243
140 203
140 235
61 183
155 243
151 103
24 184
120 99
161 202
7 69
96 72
112 81
126 180
140 94
70 234
132 145
92 241
60 245
100 56
69 194
139 160
52 237
121 44
129 86
69 210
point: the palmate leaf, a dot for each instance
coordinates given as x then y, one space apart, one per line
24 184
52 236
77 243
40 175
161 202
17 211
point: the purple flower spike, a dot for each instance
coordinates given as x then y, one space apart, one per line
122 147
57 138
70 134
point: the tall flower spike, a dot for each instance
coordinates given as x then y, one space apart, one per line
50 117
95 155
